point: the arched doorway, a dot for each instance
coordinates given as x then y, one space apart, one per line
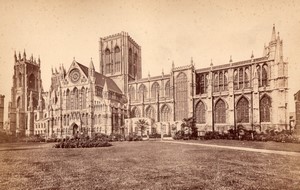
75 129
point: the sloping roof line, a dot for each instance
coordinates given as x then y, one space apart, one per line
100 79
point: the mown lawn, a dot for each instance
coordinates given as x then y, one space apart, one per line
145 165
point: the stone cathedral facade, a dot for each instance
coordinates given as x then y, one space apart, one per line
251 93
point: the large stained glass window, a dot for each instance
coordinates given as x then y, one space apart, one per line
181 97
220 112
165 113
154 90
135 112
107 61
242 109
235 80
142 92
200 112
150 113
264 108
117 59
167 89
264 75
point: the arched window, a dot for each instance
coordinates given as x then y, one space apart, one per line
154 90
246 76
264 75
130 64
200 112
220 112
225 81
241 78
167 89
19 105
165 113
135 64
235 80
242 109
68 99
117 59
216 81
264 108
258 74
76 98
221 82
150 113
19 80
83 97
181 99
142 92
107 61
31 81
132 93
135 112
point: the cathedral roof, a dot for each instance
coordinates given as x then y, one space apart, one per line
100 79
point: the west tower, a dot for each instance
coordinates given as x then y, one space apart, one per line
27 86
120 59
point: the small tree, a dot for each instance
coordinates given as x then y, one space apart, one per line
142 125
189 125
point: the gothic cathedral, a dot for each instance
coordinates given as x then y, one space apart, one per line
251 93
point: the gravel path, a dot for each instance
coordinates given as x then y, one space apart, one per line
286 153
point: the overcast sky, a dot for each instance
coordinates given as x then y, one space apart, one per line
166 30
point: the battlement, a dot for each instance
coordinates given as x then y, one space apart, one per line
23 59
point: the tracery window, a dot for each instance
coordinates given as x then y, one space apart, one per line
216 81
264 108
107 61
200 112
68 99
117 59
220 112
241 78
246 76
31 81
19 80
225 81
165 113
130 69
167 89
264 76
181 96
258 75
242 109
132 93
150 113
235 80
76 98
135 112
135 64
142 92
221 82
154 90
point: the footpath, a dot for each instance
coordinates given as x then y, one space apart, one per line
286 153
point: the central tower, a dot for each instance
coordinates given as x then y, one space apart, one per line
120 59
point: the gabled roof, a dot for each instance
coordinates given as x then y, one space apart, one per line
100 79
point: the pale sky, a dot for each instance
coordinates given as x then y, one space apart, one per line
166 30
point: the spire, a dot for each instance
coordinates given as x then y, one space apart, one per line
230 59
31 58
278 37
39 60
162 72
92 64
173 65
192 62
24 55
211 63
19 56
252 56
15 56
273 37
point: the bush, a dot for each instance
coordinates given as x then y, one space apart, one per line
133 137
99 141
155 135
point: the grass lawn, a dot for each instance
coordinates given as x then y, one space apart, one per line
144 165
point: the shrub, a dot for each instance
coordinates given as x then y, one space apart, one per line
100 141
